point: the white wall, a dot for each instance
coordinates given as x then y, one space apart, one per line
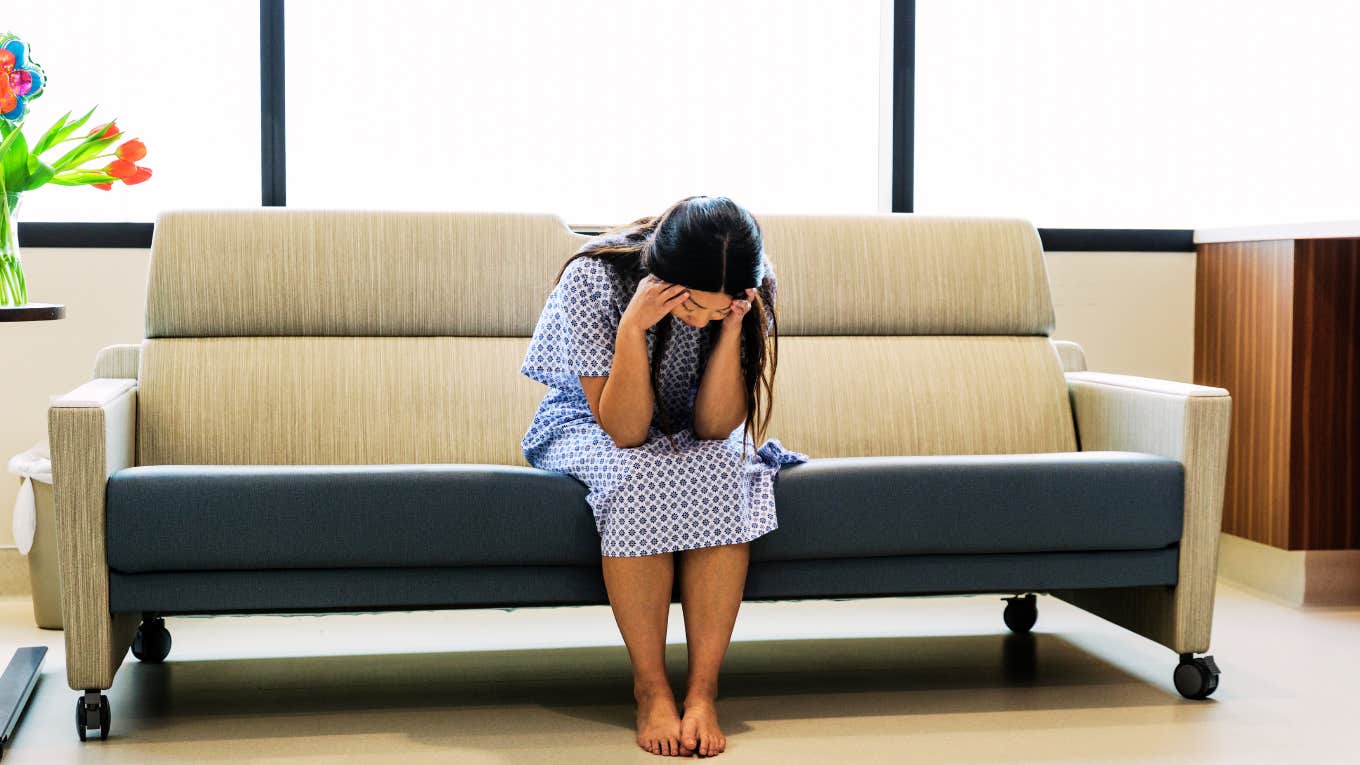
1132 312
104 291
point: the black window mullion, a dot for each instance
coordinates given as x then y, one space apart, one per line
903 105
273 164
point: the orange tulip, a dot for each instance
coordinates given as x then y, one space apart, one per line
142 174
110 130
104 186
121 168
132 150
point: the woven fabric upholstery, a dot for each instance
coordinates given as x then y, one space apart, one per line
395 400
277 271
367 337
908 274
238 273
333 400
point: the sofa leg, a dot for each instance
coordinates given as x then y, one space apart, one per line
152 643
1196 678
92 714
1021 613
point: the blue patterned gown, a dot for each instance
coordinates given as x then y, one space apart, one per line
648 499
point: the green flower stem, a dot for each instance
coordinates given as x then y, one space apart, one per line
13 286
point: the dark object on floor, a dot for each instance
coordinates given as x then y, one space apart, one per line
16 685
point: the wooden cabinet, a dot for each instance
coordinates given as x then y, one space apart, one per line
1277 323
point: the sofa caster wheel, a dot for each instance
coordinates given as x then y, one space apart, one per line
152 643
92 713
1196 678
1021 613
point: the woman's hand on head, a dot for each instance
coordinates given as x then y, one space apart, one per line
651 302
732 321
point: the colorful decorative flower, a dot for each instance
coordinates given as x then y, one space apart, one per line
25 163
21 79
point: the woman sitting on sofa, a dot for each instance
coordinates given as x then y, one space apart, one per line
657 341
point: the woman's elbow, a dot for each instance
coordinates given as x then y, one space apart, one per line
626 440
705 432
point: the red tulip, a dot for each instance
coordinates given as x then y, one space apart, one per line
142 174
104 186
110 130
121 168
132 150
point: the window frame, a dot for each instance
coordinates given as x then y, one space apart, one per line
274 182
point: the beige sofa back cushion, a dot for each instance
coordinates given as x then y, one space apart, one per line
392 400
279 271
350 337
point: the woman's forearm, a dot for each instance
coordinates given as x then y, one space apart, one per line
720 404
626 402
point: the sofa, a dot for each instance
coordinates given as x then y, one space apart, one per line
325 417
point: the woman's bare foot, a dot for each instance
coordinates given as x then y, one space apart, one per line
658 721
699 731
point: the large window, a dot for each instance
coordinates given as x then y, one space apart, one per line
1112 115
183 77
1138 113
600 110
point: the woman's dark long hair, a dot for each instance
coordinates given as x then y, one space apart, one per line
710 244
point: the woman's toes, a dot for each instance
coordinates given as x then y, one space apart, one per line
689 734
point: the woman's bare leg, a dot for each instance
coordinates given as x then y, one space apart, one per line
712 580
640 595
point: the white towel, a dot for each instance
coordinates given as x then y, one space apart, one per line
32 465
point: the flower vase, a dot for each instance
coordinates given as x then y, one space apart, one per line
13 289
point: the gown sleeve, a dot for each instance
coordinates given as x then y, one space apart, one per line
575 333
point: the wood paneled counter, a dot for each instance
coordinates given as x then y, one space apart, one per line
1277 323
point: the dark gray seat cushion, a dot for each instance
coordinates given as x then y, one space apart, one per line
207 517
1014 503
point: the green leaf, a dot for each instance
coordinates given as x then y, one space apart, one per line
50 137
83 151
9 141
39 172
14 162
81 177
73 127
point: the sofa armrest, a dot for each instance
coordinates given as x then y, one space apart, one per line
118 361
92 432
1187 423
1071 355
1147 384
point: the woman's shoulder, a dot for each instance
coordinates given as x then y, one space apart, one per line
592 282
596 277
588 270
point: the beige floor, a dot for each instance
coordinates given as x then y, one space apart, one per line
929 680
